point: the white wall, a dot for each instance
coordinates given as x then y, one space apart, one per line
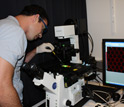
105 20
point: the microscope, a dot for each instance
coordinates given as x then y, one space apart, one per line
59 91
68 31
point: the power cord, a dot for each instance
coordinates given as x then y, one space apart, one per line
91 40
100 96
95 92
97 77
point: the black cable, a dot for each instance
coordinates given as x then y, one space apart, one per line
99 78
97 81
92 43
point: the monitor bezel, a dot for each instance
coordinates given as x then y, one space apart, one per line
103 58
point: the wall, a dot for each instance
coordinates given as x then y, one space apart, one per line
105 20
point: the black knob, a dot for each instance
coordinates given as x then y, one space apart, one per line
68 103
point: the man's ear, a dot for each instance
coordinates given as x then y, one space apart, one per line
36 18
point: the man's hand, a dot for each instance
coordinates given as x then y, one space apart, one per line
45 47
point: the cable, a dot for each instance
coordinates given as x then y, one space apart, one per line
109 96
92 93
96 96
91 40
99 77
122 98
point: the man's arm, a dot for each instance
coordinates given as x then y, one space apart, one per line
30 55
8 94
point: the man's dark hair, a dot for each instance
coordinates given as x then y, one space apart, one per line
35 9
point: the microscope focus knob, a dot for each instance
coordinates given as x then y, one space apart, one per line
68 103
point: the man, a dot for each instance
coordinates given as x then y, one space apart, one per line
14 33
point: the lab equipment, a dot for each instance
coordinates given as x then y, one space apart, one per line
68 31
59 91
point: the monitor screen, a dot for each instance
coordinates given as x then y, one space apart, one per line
113 62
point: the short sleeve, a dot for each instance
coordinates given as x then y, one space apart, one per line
13 43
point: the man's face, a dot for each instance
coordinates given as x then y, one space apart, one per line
36 29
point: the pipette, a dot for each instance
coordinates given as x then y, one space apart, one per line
57 57
63 65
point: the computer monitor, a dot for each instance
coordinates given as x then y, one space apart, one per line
113 62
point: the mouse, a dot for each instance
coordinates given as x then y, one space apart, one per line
116 97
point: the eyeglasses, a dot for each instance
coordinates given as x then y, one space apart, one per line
44 25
